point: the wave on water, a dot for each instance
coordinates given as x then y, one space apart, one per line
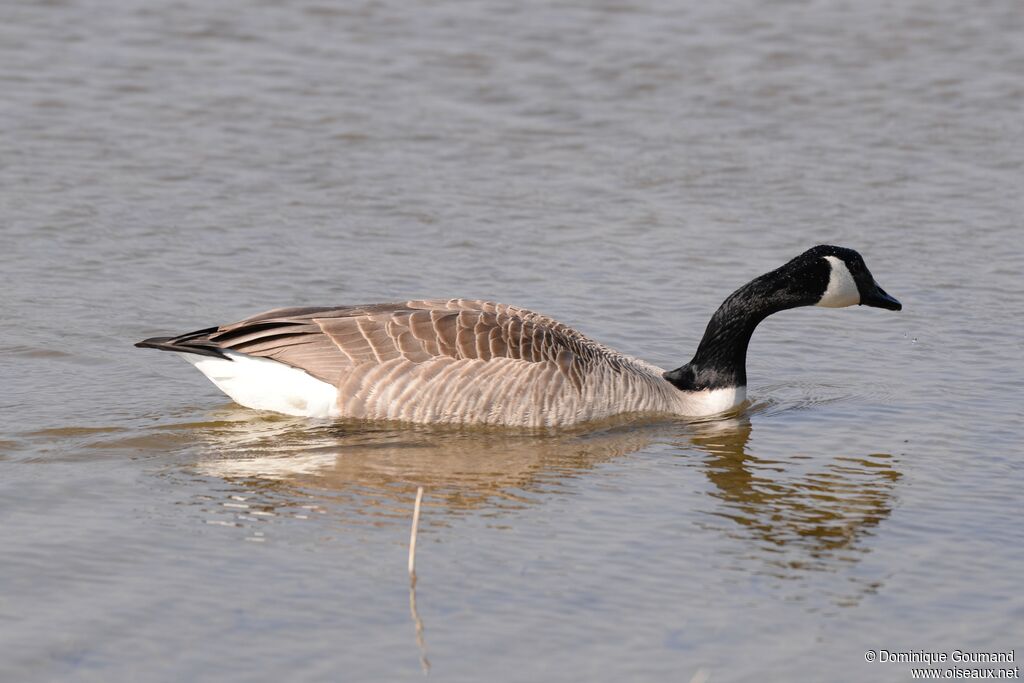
774 399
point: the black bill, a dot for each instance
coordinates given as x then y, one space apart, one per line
880 299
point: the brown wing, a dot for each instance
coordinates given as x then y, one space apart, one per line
327 342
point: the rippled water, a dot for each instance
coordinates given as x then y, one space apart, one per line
620 166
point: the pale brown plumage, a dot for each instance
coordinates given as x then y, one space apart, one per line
327 342
454 360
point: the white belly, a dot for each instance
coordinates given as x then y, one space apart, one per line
268 385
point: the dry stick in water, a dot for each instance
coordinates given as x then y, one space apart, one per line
420 642
415 528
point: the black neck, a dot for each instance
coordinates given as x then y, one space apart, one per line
721 358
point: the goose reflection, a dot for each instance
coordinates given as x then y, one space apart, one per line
804 512
377 467
801 512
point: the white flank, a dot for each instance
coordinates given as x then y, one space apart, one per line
265 384
842 290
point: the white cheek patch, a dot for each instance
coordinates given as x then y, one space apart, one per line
842 290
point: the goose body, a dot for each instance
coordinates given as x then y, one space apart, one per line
473 361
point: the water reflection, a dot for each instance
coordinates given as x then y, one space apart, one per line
799 511
803 511
377 467
421 641
791 514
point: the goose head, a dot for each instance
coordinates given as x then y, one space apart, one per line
825 275
848 281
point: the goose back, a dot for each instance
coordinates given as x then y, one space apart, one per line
456 360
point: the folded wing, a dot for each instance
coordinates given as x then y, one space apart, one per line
329 342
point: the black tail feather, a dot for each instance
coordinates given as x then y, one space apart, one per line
185 344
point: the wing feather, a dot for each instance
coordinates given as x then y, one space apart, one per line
348 346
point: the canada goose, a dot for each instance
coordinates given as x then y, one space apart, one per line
470 361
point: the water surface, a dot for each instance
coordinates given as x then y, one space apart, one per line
619 166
